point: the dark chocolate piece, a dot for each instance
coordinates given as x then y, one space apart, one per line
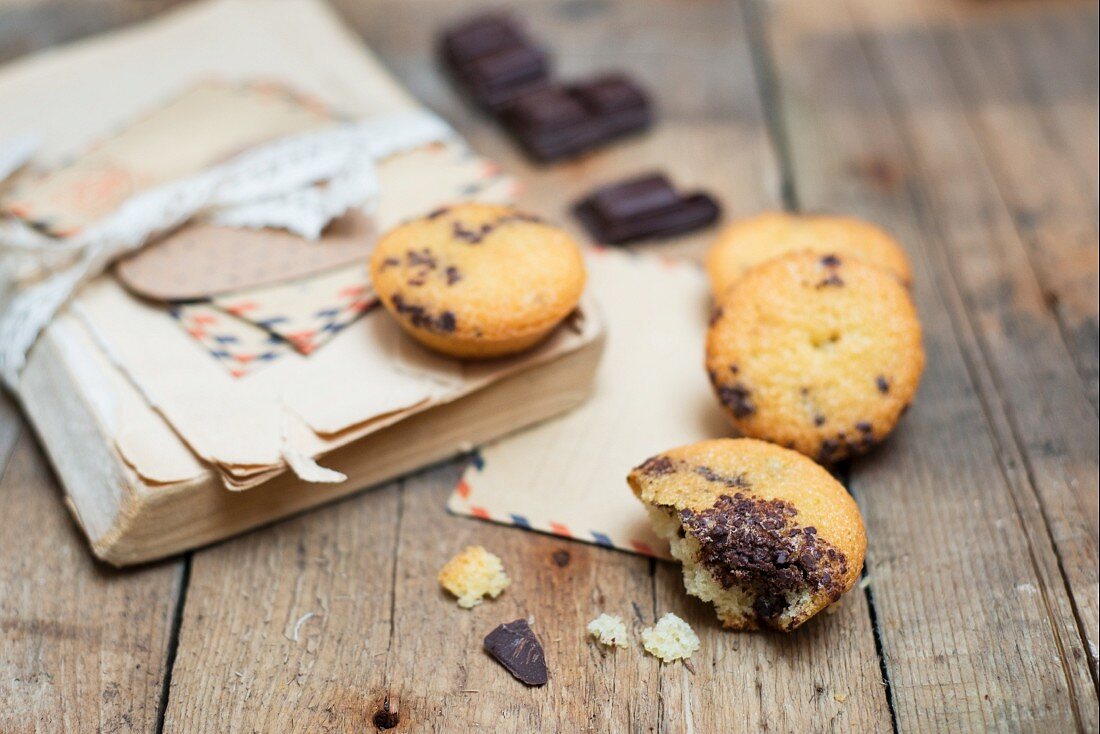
559 121
642 208
515 646
493 60
757 544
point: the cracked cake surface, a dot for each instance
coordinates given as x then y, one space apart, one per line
762 532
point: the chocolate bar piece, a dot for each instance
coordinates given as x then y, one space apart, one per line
642 208
515 646
493 60
563 120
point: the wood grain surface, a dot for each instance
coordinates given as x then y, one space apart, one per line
968 129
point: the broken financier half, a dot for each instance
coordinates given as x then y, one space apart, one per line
762 532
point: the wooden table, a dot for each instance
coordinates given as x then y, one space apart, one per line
967 128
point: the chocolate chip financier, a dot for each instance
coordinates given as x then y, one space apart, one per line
746 243
763 533
478 280
821 354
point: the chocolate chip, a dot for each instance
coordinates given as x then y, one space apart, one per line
461 232
829 448
882 384
436 213
738 399
389 262
864 427
420 258
657 466
453 276
715 315
819 420
515 646
561 558
420 317
769 607
712 476
830 261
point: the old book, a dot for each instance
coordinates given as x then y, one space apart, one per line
141 472
73 397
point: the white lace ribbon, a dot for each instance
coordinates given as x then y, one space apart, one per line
298 183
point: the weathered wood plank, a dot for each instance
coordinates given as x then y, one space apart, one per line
84 647
958 550
1030 375
282 628
1038 171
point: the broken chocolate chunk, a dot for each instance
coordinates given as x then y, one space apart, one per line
562 120
642 208
493 60
499 67
515 646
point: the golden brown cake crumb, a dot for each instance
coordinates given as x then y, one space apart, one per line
473 574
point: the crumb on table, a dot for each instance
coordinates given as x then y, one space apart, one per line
670 639
608 630
473 574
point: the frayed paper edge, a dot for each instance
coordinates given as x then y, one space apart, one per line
304 467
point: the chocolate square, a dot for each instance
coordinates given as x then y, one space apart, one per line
481 35
653 193
564 120
642 208
492 59
497 66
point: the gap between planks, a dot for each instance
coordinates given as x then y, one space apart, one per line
982 366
